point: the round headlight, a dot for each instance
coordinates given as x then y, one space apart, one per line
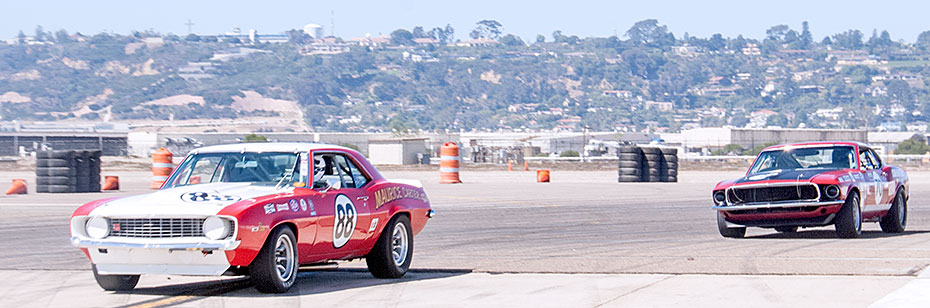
97 227
832 191
719 197
215 228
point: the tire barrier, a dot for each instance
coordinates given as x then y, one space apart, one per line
161 167
647 164
18 187
449 163
542 176
68 171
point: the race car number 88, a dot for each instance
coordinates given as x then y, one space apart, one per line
343 221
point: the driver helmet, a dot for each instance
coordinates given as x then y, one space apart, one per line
318 167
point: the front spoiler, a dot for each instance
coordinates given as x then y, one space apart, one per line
756 206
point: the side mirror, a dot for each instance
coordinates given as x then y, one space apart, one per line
332 184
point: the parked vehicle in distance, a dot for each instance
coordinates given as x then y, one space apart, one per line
814 184
257 209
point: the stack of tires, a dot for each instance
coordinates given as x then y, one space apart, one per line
68 171
631 163
647 164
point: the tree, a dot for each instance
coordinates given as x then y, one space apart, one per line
826 41
61 36
21 37
298 37
192 38
923 40
254 138
40 34
490 29
851 40
512 40
777 33
569 153
716 42
649 33
540 38
401 37
913 147
418 32
806 38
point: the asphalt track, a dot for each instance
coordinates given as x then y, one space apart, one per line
505 223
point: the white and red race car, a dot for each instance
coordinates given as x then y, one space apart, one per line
257 209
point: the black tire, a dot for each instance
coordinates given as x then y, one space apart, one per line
263 270
738 232
652 151
627 149
55 180
629 171
651 164
671 172
60 188
54 162
115 282
672 179
630 157
652 157
669 151
41 188
670 158
43 154
380 260
41 171
791 229
630 164
59 171
896 219
62 154
629 178
849 218
671 165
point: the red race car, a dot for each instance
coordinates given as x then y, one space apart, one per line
814 184
257 209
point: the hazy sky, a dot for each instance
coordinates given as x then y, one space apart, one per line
903 19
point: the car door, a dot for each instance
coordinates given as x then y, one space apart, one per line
343 209
872 188
884 194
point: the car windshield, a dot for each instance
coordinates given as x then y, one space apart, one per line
827 157
256 168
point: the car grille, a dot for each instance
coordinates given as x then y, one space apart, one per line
156 227
803 192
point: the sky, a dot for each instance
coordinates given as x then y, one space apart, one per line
903 19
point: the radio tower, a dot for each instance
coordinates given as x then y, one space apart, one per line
189 24
332 23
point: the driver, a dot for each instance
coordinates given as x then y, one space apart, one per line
319 168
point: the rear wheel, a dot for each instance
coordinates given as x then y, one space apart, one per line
391 256
896 219
849 218
736 232
115 282
274 269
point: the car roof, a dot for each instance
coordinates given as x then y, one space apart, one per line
815 143
257 147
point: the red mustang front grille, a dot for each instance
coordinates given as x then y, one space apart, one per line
772 193
156 227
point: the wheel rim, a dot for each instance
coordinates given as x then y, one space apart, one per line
399 244
902 210
284 258
856 216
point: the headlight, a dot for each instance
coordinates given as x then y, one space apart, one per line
720 197
832 191
215 228
97 227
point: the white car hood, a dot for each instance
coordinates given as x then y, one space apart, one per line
185 201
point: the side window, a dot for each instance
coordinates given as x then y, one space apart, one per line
875 160
324 170
358 176
864 159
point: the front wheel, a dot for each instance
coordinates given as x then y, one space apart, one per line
849 218
391 256
274 269
115 282
896 219
737 232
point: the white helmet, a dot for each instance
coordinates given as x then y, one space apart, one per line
318 167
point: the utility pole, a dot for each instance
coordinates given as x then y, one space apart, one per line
332 23
190 25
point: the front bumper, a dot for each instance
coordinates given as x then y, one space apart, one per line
130 257
775 205
170 245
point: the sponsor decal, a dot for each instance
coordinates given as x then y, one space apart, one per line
201 196
312 213
303 205
269 208
343 221
283 207
389 194
294 206
374 224
259 227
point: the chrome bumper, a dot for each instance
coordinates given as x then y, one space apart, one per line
211 245
755 206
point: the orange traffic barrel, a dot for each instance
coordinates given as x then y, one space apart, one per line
449 163
161 167
542 176
509 165
526 166
111 182
18 187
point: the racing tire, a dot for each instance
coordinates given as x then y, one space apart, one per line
635 164
630 157
896 219
115 282
393 252
53 162
62 154
630 171
41 171
629 178
652 164
55 180
41 188
43 154
672 179
58 171
652 151
849 218
652 157
626 149
670 158
791 229
669 151
280 250
738 232
59 188
671 165
671 172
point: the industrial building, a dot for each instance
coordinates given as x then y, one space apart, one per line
18 139
714 138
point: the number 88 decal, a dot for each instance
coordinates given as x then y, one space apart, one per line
343 221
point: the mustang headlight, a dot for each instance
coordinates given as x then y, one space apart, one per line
215 228
832 191
97 227
720 198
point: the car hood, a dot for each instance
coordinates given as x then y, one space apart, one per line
800 175
192 200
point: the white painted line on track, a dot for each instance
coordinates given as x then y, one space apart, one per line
40 204
913 294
